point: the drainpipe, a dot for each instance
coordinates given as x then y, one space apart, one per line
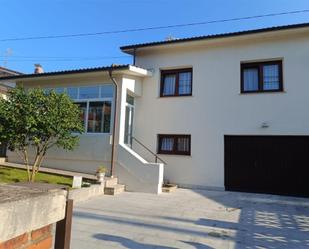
114 124
134 57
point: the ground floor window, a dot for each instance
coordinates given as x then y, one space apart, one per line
174 144
96 116
95 103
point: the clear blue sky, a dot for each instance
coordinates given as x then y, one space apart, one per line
23 18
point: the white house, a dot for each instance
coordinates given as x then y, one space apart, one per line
227 111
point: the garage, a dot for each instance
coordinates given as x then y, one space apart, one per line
267 164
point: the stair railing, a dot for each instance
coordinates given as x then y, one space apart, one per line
150 151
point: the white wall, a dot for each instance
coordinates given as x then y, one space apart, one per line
137 173
93 151
217 107
132 169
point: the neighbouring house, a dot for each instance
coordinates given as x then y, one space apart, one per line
4 87
5 72
8 72
3 90
227 111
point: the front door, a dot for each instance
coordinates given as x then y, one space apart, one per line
128 133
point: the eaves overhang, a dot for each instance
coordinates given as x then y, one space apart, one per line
131 49
97 71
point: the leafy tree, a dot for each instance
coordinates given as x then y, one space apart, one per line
32 121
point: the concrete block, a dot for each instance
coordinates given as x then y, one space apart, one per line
110 182
116 189
77 182
83 194
28 207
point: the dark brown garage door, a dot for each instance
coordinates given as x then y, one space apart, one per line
267 164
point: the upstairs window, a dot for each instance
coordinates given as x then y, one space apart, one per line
174 144
261 77
176 82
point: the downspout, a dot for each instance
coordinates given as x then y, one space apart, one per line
134 57
114 124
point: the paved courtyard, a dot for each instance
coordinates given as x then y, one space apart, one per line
191 219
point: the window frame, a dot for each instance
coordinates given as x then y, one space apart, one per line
174 151
176 72
259 66
78 100
87 101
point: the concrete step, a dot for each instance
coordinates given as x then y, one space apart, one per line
110 182
169 188
116 189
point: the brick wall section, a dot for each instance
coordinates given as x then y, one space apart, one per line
37 239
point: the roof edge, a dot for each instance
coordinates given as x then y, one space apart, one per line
10 71
129 48
134 69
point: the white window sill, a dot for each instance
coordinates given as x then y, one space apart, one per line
92 134
178 96
261 93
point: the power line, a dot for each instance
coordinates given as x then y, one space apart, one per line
66 57
47 60
154 27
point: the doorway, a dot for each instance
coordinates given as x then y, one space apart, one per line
128 132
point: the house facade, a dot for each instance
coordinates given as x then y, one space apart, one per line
226 111
6 72
4 87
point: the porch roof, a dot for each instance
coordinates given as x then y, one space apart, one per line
116 69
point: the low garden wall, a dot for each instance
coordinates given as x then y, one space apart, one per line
84 194
41 238
29 213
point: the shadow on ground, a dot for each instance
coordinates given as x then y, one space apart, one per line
264 221
197 245
128 243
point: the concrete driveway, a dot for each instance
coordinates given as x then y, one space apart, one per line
191 219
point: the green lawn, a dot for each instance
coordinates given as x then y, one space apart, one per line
12 175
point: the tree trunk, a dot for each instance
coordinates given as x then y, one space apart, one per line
27 165
23 154
34 167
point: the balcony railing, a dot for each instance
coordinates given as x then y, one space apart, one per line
157 158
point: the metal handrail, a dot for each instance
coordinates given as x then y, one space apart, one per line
145 147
